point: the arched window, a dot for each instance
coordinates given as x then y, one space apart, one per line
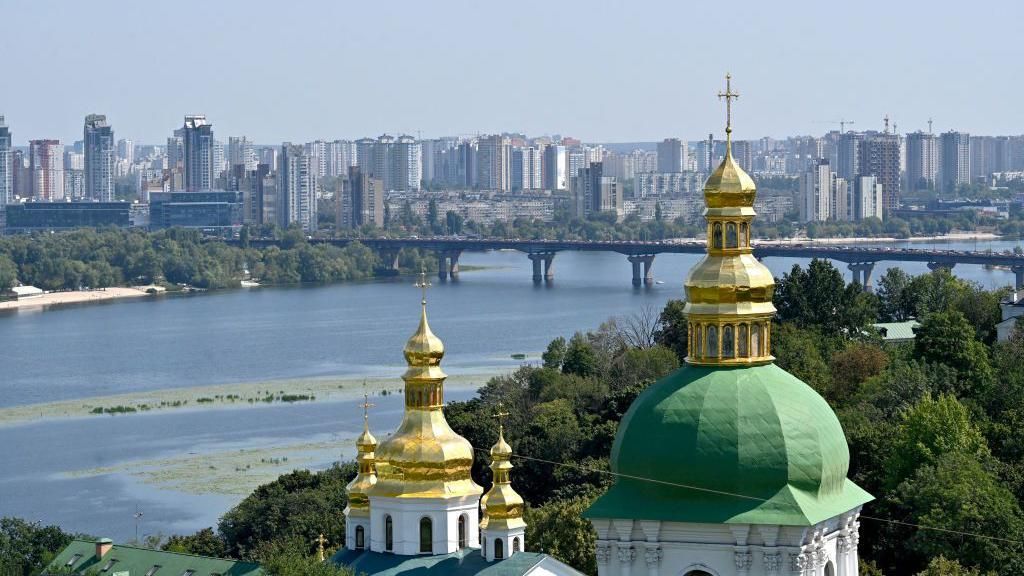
742 334
462 531
697 573
515 544
696 342
744 235
730 235
389 534
499 549
426 536
712 342
728 342
360 538
830 569
755 340
716 235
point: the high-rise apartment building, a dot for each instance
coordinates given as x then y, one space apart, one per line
593 192
296 187
6 164
493 157
989 154
100 152
555 177
671 155
954 160
922 161
365 199
198 147
126 150
241 152
46 164
880 157
526 168
868 198
816 193
407 167
848 155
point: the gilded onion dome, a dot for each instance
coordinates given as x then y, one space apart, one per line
729 293
424 458
359 487
502 505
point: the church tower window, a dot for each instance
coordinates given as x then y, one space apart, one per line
712 342
426 536
462 531
728 342
742 341
499 551
716 235
515 544
360 538
389 534
730 235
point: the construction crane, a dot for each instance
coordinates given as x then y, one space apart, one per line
842 123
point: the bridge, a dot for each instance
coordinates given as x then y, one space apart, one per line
640 254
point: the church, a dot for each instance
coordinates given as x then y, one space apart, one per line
729 466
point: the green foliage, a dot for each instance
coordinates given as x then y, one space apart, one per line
8 273
26 548
896 302
289 557
819 297
299 506
673 328
580 358
202 543
558 528
554 356
940 566
947 338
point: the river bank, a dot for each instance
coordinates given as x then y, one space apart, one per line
78 297
952 237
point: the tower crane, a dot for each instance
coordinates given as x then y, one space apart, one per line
842 123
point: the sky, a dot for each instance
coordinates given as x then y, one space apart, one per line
601 71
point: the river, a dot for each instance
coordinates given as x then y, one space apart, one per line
93 474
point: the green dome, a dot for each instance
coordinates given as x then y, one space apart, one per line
730 444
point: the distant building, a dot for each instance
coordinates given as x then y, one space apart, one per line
922 161
241 153
100 152
104 557
7 166
955 160
880 157
555 176
526 168
126 150
212 210
665 184
493 157
46 163
296 188
366 199
671 155
816 193
869 198
593 193
55 216
848 155
198 148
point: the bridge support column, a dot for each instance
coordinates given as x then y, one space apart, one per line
389 258
933 266
1018 273
647 260
862 273
448 264
543 266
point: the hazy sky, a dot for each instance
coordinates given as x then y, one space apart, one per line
601 71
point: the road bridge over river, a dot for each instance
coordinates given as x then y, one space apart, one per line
640 254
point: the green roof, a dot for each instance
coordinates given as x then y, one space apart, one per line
897 331
748 444
465 562
138 561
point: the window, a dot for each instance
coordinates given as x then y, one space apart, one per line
109 565
730 235
515 544
830 569
462 531
74 560
742 347
189 572
755 340
712 342
426 536
744 235
360 538
388 534
716 235
697 349
728 343
499 551
152 570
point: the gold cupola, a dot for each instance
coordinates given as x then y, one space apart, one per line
729 293
424 458
359 488
502 505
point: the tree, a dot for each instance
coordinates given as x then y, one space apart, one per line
895 298
820 297
8 273
432 216
26 548
852 367
799 353
555 354
947 338
454 222
942 567
558 528
580 358
202 543
287 558
673 328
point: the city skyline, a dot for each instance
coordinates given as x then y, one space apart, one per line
654 75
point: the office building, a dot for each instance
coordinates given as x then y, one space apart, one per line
126 150
100 152
29 217
365 199
200 167
671 155
555 176
7 166
594 193
493 157
922 161
212 210
297 184
880 157
46 164
954 160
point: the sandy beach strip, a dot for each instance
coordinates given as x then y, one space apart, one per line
952 237
223 396
73 297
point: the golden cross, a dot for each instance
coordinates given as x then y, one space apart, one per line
500 415
366 405
320 549
423 284
729 96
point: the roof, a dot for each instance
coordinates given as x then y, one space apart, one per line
138 561
26 290
897 331
730 445
465 562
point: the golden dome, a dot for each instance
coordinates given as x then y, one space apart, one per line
424 458
502 505
358 489
729 185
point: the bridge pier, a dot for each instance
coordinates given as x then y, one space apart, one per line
647 260
448 264
1018 273
390 259
543 266
862 273
933 266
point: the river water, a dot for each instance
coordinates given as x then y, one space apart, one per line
342 330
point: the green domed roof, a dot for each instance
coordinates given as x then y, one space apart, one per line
730 445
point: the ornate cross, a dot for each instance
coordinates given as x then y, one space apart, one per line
729 96
423 284
366 405
320 547
500 415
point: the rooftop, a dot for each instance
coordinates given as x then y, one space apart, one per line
80 556
465 562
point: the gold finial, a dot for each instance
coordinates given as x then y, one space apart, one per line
500 415
366 405
320 552
729 96
423 284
